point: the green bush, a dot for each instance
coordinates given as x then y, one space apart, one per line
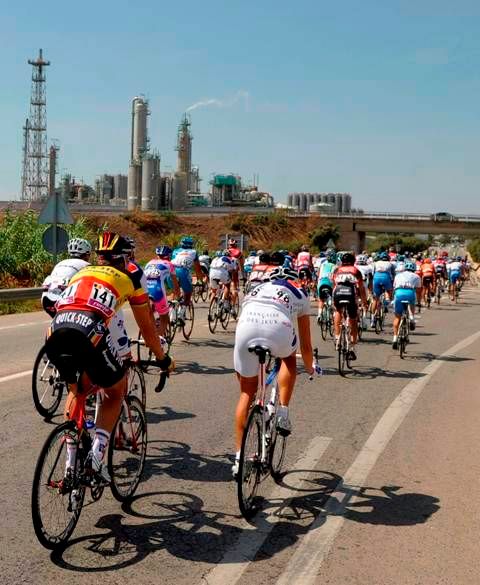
474 249
400 242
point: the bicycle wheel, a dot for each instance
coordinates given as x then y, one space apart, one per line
323 322
196 292
172 324
402 338
136 383
342 353
225 316
189 320
213 315
47 387
127 450
204 293
236 308
250 465
278 447
57 497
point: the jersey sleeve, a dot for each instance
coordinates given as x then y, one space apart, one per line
139 296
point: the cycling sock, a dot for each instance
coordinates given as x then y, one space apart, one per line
282 411
100 443
395 337
237 455
71 452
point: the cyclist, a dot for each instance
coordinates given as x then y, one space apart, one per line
400 264
78 338
404 285
382 281
237 256
221 270
157 272
56 282
205 260
304 265
325 281
249 263
185 258
348 284
454 269
440 266
428 279
267 319
260 270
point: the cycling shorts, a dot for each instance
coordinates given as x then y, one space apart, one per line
454 276
218 276
184 279
305 273
79 341
427 280
260 325
343 292
403 294
382 281
324 291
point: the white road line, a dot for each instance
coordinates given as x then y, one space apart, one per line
230 569
305 564
23 325
15 376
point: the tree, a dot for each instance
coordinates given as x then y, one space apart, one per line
474 249
323 234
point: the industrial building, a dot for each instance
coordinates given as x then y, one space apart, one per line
327 202
228 190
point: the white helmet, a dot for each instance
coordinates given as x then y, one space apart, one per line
362 259
78 247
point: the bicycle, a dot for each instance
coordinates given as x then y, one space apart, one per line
218 310
404 329
177 322
325 319
58 493
200 291
361 319
344 341
380 314
263 447
438 292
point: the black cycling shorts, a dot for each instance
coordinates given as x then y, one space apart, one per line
426 280
324 292
79 341
305 273
345 293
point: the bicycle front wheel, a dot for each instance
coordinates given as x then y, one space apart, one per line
204 293
250 464
213 315
189 320
136 383
47 387
57 496
323 322
127 450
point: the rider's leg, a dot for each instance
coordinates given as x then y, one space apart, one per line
248 388
286 378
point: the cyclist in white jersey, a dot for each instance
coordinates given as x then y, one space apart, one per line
57 281
221 270
267 319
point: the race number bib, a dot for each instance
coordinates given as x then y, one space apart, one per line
68 295
102 299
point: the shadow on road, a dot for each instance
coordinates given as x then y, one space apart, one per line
212 343
196 368
366 372
165 413
178 523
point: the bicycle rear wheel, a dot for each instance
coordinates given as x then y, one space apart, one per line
213 315
47 387
225 316
342 353
204 293
250 465
323 322
189 320
127 450
196 292
57 496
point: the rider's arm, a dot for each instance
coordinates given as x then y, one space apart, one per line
305 342
144 318
176 286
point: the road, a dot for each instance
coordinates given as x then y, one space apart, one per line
381 484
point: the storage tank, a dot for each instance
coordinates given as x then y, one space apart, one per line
296 200
133 187
139 128
347 203
179 199
120 186
148 167
290 200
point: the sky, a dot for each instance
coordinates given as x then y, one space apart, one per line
378 99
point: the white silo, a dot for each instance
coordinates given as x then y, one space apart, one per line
139 128
296 201
133 186
147 183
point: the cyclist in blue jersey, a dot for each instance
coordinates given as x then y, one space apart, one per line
185 259
325 280
383 276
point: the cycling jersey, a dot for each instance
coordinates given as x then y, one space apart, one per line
405 284
347 280
267 319
157 272
304 260
57 282
221 270
382 277
406 280
184 259
249 263
325 275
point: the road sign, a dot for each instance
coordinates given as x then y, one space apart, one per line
242 241
55 211
49 243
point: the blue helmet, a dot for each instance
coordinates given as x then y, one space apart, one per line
187 242
384 256
409 265
163 250
458 258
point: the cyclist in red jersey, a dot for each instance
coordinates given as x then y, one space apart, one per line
235 253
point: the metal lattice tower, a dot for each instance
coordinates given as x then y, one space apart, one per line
35 156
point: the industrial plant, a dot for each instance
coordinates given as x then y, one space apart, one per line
326 202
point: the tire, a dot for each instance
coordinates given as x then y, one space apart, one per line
196 293
323 323
204 293
136 383
213 315
277 454
127 450
342 354
49 505
224 317
47 387
189 320
250 466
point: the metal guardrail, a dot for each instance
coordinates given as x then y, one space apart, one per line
20 294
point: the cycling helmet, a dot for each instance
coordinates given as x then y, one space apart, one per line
282 273
260 252
407 254
400 258
277 259
252 253
186 242
78 247
112 245
362 259
410 266
163 250
131 241
304 248
332 257
264 258
232 242
384 256
348 259
458 258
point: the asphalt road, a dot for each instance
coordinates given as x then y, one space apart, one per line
381 484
